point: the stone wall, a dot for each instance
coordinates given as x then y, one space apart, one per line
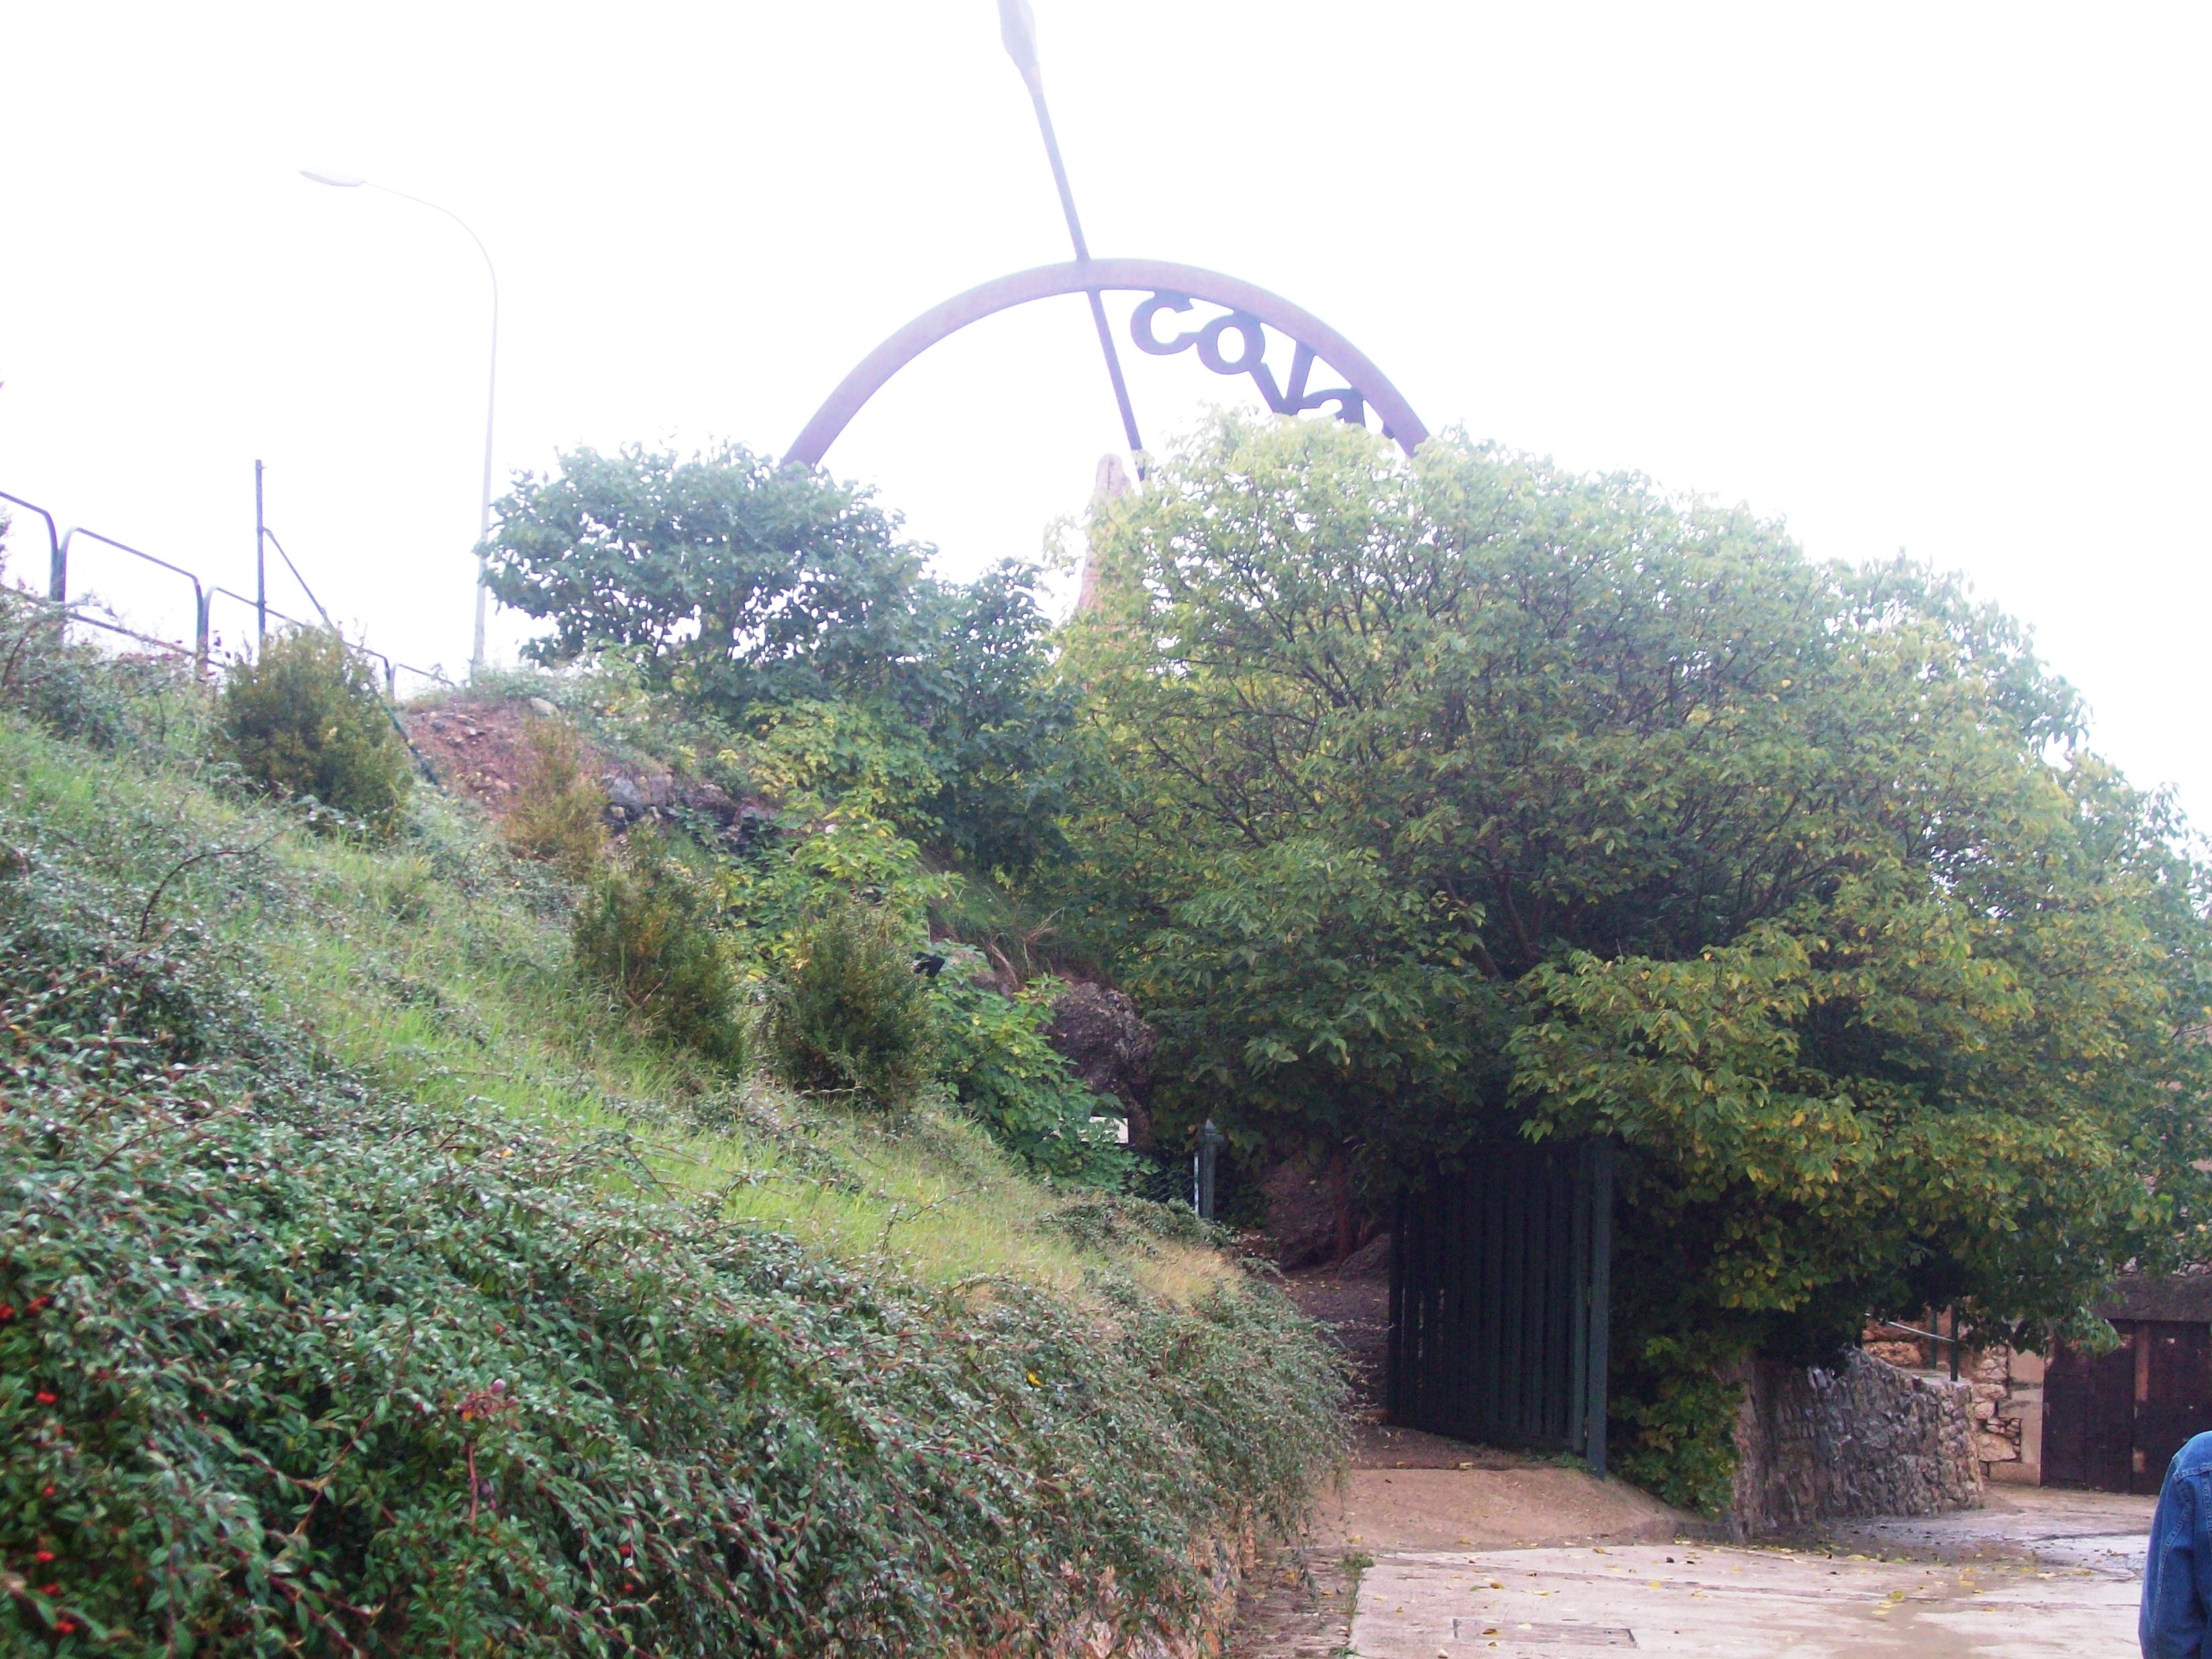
1869 1440
2007 1387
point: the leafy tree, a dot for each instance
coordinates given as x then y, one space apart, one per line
782 601
722 575
998 723
1463 796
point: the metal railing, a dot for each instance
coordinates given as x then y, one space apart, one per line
204 594
1955 1342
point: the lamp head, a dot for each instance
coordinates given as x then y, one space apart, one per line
342 181
1017 29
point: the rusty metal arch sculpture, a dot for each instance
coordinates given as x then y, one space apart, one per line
1172 288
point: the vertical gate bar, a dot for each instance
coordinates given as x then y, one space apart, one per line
1394 1356
1435 1377
1465 1284
1446 1211
1516 1208
1432 1248
1410 1387
1492 1340
1537 1373
1530 1186
1600 1317
1578 1308
1558 1294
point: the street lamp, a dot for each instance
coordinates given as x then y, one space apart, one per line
351 182
1018 29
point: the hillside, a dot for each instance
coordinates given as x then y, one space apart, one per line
372 1283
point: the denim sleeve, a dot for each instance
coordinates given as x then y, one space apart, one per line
2172 1626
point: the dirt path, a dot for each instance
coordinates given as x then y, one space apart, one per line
1407 1492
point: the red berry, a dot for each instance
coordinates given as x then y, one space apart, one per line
43 1557
46 1491
65 1626
46 1399
50 1589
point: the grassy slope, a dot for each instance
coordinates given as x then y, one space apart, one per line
436 971
427 967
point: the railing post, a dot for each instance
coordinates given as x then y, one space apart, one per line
202 603
57 570
260 566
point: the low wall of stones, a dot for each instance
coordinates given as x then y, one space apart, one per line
1868 1439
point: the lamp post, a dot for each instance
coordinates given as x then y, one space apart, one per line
351 182
1018 30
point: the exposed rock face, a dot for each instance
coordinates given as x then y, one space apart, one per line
1869 1439
1301 1214
1100 1034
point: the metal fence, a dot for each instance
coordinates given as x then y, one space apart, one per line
61 542
1501 1299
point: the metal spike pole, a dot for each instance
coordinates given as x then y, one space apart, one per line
1017 29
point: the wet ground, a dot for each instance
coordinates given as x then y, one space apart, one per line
1731 1602
2037 1573
1433 1549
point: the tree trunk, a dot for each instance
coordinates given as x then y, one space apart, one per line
1340 1192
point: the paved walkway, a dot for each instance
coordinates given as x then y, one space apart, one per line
1434 1549
1444 1551
1731 1603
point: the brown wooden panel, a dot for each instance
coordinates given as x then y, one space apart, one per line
2088 1418
2176 1402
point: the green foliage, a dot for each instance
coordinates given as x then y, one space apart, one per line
645 930
555 814
994 1054
853 1017
794 868
303 719
78 691
726 576
788 604
1304 984
1675 1418
1463 797
287 1365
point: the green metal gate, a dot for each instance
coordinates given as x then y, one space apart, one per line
1500 1295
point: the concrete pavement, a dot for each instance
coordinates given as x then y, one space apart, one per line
1730 1602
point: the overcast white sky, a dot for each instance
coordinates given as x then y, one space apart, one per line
1918 276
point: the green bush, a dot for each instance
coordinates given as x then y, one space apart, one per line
79 691
854 1016
302 719
645 930
1675 1419
555 814
288 1366
992 1051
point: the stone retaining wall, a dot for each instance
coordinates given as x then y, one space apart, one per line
1867 1440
